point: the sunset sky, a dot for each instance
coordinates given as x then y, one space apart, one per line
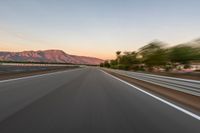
96 27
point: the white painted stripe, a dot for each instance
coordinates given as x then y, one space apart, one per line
158 98
35 76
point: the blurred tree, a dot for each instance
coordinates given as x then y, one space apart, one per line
101 64
183 54
151 47
118 53
154 54
113 64
118 56
128 59
106 64
158 58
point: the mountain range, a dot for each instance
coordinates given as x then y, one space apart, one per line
51 56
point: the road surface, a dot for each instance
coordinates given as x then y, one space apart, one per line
85 101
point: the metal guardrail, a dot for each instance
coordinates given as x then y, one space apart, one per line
184 85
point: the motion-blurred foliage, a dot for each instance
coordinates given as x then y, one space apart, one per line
157 55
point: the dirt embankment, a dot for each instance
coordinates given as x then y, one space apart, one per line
185 99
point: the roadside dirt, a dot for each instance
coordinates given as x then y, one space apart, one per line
36 72
185 99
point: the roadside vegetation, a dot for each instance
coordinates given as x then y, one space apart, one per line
158 56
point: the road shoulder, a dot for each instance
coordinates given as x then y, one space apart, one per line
184 99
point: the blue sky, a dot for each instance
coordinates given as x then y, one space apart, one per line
96 27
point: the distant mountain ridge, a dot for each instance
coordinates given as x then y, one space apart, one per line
52 56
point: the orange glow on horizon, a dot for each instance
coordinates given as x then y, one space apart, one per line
104 56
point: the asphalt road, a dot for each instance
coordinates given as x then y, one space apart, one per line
85 101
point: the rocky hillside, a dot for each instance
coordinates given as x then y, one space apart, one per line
53 56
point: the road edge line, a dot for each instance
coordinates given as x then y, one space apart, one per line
156 97
37 75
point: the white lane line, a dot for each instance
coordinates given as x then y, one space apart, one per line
158 98
40 75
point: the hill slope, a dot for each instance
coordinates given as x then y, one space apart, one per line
56 56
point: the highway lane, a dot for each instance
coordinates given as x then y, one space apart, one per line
85 101
15 94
